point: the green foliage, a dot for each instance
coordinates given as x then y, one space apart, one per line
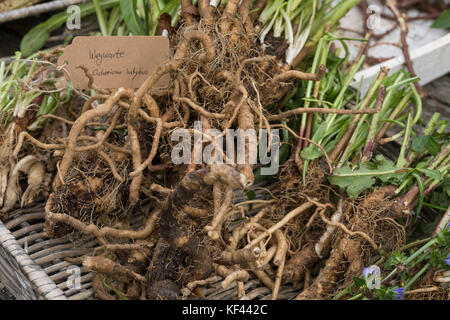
403 269
394 259
15 98
428 143
355 181
35 38
125 17
384 293
128 8
359 282
443 22
441 195
351 183
437 259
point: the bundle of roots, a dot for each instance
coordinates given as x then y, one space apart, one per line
111 154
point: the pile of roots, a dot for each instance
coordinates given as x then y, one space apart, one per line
100 163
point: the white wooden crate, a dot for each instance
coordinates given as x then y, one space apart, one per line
429 48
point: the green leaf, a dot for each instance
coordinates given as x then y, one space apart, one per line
131 18
359 282
36 37
355 181
427 143
311 152
443 22
383 293
433 174
353 185
383 165
395 258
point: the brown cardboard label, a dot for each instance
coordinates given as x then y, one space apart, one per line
115 62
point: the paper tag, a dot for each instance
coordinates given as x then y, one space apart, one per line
115 62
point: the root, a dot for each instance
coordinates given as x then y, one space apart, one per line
239 233
299 263
195 212
35 180
345 229
246 122
295 74
328 276
353 253
112 166
13 189
282 222
153 151
99 289
36 142
94 230
177 233
265 259
188 12
191 286
172 65
113 269
238 275
264 278
213 229
325 239
79 124
279 260
241 257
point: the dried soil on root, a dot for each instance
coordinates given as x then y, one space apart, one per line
291 192
91 193
369 217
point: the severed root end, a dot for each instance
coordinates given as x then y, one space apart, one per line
164 290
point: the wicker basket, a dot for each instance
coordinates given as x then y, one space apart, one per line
32 266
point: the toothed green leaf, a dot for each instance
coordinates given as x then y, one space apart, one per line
353 185
433 174
427 143
355 181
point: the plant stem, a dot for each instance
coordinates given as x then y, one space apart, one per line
359 295
417 275
412 257
329 20
100 18
413 244
370 173
402 162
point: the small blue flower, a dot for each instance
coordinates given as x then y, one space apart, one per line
448 226
367 272
447 260
399 293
